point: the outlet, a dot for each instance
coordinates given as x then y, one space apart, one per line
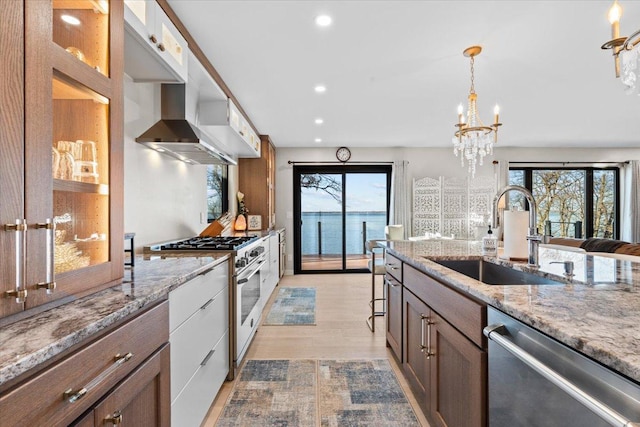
289 258
289 215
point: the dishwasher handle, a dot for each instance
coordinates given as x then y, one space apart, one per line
495 334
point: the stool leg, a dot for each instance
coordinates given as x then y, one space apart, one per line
371 321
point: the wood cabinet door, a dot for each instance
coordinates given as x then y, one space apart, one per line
143 399
458 378
394 315
11 145
415 363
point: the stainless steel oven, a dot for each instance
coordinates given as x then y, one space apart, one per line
535 381
248 304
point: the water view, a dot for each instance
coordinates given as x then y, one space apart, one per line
331 231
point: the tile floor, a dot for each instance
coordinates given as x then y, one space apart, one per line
340 331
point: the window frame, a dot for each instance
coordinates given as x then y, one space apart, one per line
224 188
589 173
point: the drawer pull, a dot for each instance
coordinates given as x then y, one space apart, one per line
114 419
392 266
208 270
206 304
72 396
206 359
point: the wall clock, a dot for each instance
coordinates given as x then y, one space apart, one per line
343 154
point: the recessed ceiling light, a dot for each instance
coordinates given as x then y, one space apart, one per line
323 20
319 121
72 20
320 89
318 140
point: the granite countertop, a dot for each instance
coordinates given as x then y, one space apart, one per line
597 312
32 341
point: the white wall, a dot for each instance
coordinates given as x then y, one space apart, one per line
163 197
431 162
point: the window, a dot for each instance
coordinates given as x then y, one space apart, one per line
217 191
572 202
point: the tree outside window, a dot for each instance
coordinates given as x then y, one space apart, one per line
217 198
572 202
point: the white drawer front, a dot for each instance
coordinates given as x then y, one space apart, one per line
192 340
188 298
191 406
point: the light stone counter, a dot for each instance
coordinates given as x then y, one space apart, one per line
597 312
34 340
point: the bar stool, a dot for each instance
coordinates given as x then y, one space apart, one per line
377 268
131 249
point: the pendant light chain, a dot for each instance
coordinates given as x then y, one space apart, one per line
473 89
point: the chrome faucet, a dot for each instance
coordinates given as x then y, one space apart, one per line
532 236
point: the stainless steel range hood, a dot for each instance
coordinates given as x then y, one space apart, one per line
173 134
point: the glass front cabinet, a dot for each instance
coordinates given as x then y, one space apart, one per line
61 200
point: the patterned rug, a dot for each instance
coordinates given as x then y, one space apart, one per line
293 306
330 393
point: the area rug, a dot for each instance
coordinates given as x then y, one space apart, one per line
293 306
330 393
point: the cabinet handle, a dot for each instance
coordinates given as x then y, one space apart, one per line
72 396
206 304
390 283
20 291
422 319
114 419
49 282
161 47
392 266
207 357
153 38
207 271
429 353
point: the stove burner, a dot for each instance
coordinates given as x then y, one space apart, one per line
220 243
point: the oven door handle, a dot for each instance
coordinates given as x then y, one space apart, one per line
495 334
255 270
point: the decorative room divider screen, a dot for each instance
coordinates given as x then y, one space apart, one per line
452 206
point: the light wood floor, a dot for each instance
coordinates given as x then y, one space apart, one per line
340 332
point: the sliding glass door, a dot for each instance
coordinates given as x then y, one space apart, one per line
337 209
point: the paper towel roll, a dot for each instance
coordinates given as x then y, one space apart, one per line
516 224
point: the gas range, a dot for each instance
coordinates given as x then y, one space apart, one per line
218 243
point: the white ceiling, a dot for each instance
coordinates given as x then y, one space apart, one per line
395 72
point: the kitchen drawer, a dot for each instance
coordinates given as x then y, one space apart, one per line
393 266
188 298
40 401
465 314
191 406
192 340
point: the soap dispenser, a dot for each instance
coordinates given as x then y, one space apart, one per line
490 244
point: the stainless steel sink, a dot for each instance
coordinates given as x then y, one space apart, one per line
493 274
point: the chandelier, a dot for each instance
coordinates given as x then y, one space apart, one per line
473 140
625 54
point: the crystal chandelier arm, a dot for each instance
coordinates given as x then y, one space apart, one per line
631 41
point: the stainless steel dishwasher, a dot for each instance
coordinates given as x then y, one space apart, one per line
535 381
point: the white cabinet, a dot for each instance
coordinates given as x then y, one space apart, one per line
224 121
274 260
199 337
155 51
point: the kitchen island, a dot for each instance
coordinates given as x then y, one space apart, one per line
596 312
